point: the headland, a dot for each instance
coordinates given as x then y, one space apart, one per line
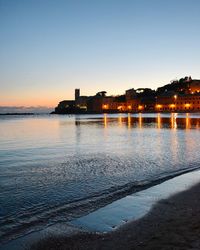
181 95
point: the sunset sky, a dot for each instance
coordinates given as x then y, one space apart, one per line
50 47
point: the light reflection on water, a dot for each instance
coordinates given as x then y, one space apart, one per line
173 121
53 168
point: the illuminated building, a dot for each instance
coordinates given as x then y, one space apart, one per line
182 103
178 96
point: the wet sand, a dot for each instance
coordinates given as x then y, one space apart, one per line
173 223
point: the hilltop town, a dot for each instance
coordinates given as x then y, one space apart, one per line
181 95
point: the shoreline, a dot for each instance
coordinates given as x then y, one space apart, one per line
102 113
172 223
165 209
131 207
130 112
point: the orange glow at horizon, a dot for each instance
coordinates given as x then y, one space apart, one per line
31 102
29 98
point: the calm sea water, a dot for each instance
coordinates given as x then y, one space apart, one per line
55 168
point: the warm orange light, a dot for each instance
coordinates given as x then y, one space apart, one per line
140 121
159 121
187 105
175 96
140 107
172 105
129 120
158 106
187 120
120 120
173 120
119 107
105 121
129 107
105 106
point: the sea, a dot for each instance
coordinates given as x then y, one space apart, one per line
55 168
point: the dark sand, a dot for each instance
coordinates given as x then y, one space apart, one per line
172 224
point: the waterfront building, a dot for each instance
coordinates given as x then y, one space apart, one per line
66 106
178 96
95 103
178 103
79 105
77 94
194 86
130 94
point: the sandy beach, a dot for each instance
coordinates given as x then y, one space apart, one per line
173 223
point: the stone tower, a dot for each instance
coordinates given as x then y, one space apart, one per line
77 94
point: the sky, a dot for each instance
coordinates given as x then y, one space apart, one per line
50 47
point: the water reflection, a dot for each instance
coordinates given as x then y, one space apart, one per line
160 121
173 121
78 130
140 120
64 160
105 120
121 120
188 121
129 120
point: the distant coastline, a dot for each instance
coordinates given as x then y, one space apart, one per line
17 113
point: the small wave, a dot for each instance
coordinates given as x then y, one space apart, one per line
43 216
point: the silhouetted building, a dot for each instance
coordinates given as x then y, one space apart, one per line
179 103
77 94
95 103
194 86
130 94
65 107
179 95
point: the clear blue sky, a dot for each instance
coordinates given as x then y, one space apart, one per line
50 47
